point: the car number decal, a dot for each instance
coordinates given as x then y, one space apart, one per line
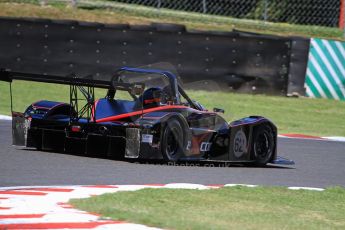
240 144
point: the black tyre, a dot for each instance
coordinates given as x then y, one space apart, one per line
263 144
172 140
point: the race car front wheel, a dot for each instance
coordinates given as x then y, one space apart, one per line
172 140
263 144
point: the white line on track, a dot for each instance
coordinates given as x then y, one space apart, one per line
5 117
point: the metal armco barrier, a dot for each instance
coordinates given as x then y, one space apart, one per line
234 60
326 69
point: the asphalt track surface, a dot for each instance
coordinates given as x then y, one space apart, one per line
318 164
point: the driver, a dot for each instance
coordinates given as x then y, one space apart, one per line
152 97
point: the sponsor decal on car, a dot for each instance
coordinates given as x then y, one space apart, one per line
146 138
205 146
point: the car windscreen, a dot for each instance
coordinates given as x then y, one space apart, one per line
151 80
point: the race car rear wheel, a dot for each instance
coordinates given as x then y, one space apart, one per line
172 140
263 144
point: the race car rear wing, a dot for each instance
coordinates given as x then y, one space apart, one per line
75 84
71 79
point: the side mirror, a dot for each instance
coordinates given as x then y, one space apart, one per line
217 110
199 106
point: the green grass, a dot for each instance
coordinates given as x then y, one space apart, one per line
225 208
291 115
126 13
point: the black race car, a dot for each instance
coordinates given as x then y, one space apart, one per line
145 115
